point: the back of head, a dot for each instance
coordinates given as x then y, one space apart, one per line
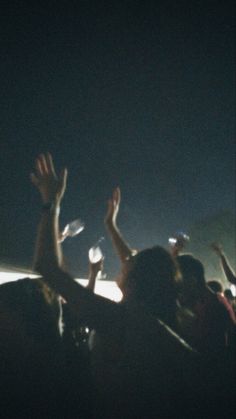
30 349
193 276
35 304
153 279
215 286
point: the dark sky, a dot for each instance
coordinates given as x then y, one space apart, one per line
139 94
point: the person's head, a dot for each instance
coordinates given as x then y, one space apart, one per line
152 281
215 286
193 277
30 312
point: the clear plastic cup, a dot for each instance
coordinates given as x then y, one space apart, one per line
179 238
172 241
95 252
72 229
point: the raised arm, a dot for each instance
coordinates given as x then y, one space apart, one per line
228 271
178 243
94 270
121 247
98 312
51 188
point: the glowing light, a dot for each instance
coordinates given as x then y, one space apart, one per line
172 241
14 276
233 290
107 289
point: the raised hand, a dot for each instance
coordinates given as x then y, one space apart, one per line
217 248
113 207
50 185
179 245
225 265
121 247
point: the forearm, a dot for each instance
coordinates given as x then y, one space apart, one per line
52 188
98 312
92 280
48 250
228 271
121 247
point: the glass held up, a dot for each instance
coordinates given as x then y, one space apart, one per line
72 229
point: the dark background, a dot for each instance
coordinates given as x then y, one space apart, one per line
139 94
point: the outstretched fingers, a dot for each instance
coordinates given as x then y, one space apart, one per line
43 163
50 186
39 171
39 167
50 164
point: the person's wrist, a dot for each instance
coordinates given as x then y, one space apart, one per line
107 221
51 206
51 198
110 224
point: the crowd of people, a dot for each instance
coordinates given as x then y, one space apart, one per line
166 350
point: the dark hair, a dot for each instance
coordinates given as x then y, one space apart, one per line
228 294
153 276
37 305
215 286
191 267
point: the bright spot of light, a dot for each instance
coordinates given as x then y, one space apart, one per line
107 289
233 290
14 276
172 241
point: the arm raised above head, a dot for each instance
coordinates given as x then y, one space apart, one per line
52 188
99 313
121 247
228 271
94 270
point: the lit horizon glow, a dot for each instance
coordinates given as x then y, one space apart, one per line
107 289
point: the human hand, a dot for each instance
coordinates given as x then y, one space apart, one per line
217 248
178 243
61 236
51 186
113 207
